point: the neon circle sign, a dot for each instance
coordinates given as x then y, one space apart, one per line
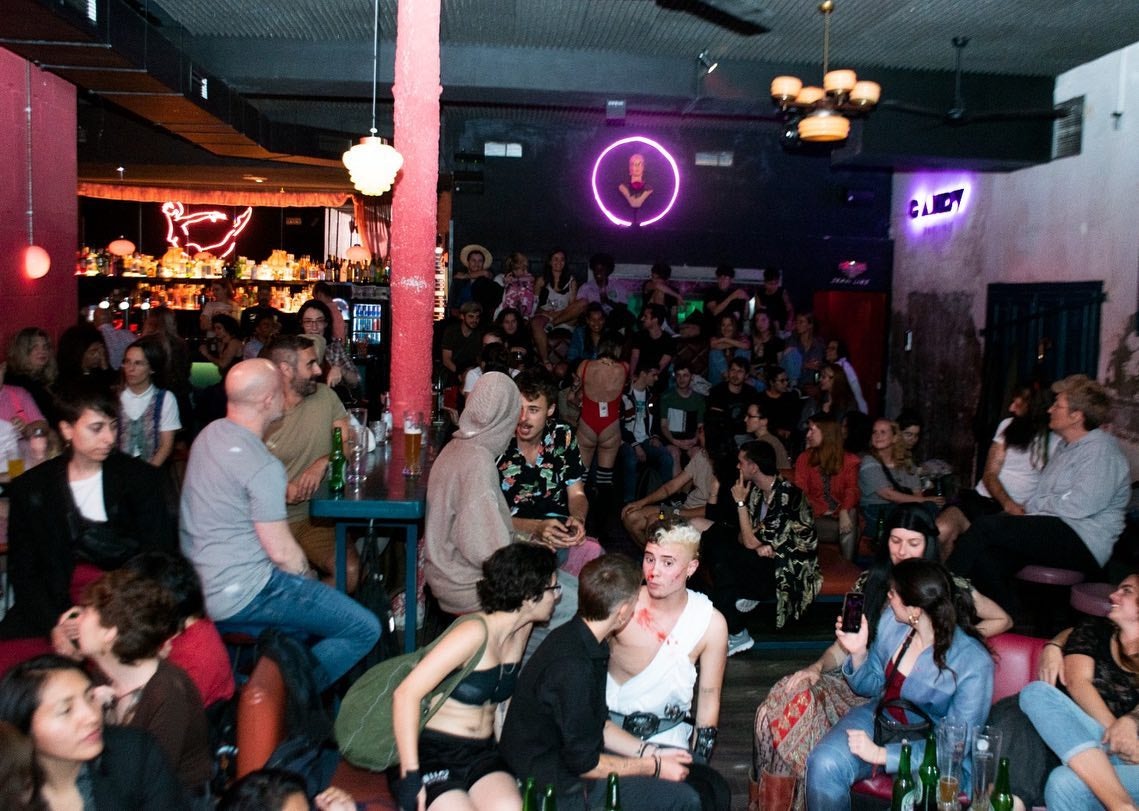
626 198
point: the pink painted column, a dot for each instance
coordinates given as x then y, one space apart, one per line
414 200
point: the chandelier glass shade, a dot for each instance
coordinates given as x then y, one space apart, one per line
373 163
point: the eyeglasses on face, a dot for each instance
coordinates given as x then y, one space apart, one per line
312 320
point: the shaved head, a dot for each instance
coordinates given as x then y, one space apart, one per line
250 382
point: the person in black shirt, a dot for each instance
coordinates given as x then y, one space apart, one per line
725 298
558 729
728 402
780 404
652 346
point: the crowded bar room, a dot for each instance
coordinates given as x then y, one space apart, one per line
485 405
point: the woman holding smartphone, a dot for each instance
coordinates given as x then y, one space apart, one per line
802 707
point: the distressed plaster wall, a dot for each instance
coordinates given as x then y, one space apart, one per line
1074 219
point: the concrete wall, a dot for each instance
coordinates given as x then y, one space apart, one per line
1073 219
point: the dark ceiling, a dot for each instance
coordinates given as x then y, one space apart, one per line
306 64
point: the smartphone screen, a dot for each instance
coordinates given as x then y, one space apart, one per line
852 612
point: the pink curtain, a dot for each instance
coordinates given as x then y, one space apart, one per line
373 221
157 194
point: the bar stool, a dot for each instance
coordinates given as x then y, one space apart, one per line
1048 612
1093 599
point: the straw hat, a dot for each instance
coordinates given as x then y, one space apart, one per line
473 247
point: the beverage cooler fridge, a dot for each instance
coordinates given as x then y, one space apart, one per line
369 336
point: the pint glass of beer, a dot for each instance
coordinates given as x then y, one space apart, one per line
412 442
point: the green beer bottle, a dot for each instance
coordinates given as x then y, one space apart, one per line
1001 798
336 463
928 775
549 799
529 796
904 782
613 794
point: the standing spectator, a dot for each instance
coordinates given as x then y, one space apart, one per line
652 346
150 416
1076 514
599 427
728 403
235 531
680 414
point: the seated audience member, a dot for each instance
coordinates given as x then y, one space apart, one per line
492 358
658 291
652 346
1092 728
725 297
235 531
599 426
680 412
728 403
774 300
31 367
263 331
756 422
51 700
924 651
116 340
338 368
301 441
837 354
696 480
79 514
777 549
575 751
455 756
781 405
585 343
542 476
264 309
1020 449
278 790
810 349
462 340
83 356
514 332
229 346
766 347
596 291
1076 514
517 284
835 398
653 665
828 477
910 425
18 407
885 478
856 430
803 707
557 290
125 620
150 417
727 342
641 443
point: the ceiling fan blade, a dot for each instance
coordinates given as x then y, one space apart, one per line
1014 115
910 109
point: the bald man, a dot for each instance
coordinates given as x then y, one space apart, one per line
234 529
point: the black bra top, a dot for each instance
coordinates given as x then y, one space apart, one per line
491 686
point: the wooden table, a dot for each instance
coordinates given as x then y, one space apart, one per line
385 498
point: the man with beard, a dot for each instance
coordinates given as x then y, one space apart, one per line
234 530
301 440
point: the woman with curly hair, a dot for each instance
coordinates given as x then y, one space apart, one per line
456 756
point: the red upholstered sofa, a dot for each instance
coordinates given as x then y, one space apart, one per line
1016 659
261 728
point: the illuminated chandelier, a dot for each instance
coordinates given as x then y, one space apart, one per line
373 163
823 113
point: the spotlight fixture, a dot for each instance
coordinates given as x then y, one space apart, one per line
373 163
706 62
823 114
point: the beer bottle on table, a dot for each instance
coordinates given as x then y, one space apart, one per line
928 775
549 799
612 794
336 463
1001 798
529 796
903 783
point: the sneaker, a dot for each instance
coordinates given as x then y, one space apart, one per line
744 606
738 643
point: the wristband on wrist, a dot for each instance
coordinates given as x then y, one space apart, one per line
656 766
407 790
741 504
1055 645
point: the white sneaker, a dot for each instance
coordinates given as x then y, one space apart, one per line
738 643
744 606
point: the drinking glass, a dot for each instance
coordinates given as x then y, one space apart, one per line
951 737
412 442
356 467
379 431
986 752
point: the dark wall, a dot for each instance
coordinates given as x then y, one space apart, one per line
101 221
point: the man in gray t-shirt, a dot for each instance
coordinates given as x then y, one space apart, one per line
234 530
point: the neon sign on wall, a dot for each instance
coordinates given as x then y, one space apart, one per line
191 232
630 183
928 205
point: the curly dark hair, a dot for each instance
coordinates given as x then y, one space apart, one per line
537 382
515 574
263 790
141 609
928 585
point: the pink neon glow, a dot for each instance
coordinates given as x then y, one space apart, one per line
928 194
636 139
176 217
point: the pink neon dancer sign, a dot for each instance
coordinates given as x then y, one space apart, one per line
192 232
629 183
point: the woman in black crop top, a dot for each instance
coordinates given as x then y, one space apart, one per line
457 750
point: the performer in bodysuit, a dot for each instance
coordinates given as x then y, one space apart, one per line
652 679
599 430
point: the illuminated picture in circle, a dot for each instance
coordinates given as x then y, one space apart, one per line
635 182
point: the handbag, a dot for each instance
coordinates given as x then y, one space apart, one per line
364 724
887 728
